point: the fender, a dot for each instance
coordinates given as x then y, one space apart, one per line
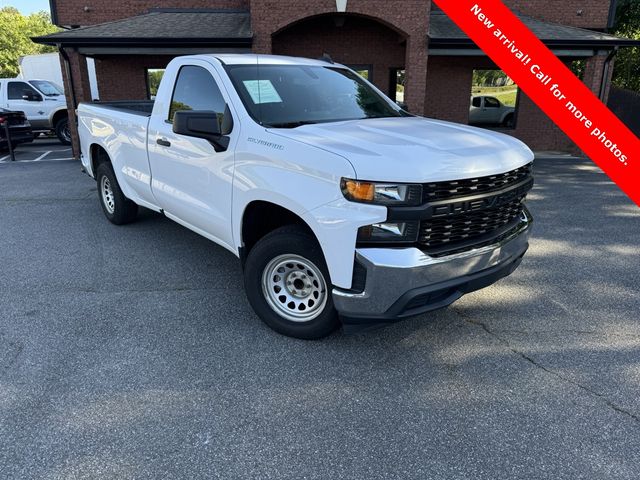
504 116
55 112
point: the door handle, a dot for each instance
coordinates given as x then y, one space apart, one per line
163 142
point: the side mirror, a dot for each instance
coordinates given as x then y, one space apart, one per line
31 97
211 126
403 106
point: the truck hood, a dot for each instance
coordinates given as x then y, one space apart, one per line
414 149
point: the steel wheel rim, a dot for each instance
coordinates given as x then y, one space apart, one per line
66 132
107 195
294 288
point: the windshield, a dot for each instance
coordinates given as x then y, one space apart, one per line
50 89
288 96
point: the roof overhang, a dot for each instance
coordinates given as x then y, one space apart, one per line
161 29
92 51
473 51
144 43
446 35
552 44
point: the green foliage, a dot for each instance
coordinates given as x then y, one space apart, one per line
627 65
578 67
154 76
16 31
495 83
491 78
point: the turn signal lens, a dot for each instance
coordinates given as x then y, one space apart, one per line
360 191
388 194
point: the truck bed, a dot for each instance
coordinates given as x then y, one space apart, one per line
136 107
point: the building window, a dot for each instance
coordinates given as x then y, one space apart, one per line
578 67
365 71
154 75
494 100
396 85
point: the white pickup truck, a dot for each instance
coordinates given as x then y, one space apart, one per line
42 101
342 207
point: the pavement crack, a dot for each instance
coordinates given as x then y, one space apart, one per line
545 369
12 353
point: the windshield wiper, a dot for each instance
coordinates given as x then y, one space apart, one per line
292 124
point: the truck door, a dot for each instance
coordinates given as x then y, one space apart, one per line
23 97
492 110
190 180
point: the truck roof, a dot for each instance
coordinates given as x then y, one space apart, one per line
252 58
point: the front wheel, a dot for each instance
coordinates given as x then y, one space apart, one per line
63 131
288 285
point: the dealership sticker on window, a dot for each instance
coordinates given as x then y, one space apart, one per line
262 91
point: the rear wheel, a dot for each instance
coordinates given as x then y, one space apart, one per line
63 131
288 284
117 208
508 121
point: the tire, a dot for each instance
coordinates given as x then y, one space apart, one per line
284 270
118 209
63 131
508 121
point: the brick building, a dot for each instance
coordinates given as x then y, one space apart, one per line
408 48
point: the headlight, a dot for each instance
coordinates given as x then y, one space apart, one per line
390 232
405 194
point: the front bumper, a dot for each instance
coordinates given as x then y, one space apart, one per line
404 282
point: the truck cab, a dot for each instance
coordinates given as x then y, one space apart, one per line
42 101
342 207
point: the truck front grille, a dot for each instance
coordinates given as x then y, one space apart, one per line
472 186
466 215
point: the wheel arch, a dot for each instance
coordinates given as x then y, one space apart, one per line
58 115
261 217
97 155
506 115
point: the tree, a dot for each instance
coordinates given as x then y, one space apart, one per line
626 73
16 31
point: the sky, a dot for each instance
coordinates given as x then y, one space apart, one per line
26 6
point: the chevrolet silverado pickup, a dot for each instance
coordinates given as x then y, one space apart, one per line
342 207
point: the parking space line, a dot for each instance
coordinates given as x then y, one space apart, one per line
42 156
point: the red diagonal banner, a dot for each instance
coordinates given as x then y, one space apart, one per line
553 87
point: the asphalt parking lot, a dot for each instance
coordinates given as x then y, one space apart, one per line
42 149
131 352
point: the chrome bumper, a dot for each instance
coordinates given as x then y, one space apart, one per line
404 282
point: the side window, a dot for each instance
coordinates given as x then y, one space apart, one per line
490 102
477 102
17 90
196 89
